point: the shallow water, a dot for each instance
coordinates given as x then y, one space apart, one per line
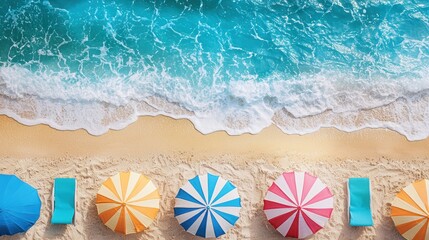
237 66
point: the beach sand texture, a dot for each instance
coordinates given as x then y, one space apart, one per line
172 151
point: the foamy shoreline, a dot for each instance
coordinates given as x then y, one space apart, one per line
407 116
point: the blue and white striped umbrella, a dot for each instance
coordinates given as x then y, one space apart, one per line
207 206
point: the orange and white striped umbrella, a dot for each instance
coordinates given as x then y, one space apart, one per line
410 211
128 202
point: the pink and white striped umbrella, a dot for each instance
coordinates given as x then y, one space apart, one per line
298 204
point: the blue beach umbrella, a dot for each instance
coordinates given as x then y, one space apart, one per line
19 205
207 206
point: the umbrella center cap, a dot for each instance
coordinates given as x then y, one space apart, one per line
299 208
208 207
123 204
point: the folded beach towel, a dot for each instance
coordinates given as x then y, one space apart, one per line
359 191
63 201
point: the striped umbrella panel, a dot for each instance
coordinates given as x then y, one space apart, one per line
410 211
207 206
298 204
128 202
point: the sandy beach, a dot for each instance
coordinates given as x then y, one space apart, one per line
171 151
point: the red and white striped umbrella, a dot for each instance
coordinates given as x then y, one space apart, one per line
298 204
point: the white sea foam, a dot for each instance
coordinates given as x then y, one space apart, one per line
298 106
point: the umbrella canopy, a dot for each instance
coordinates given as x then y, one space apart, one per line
19 205
298 204
410 211
128 202
207 206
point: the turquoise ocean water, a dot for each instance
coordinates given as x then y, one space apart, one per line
237 65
